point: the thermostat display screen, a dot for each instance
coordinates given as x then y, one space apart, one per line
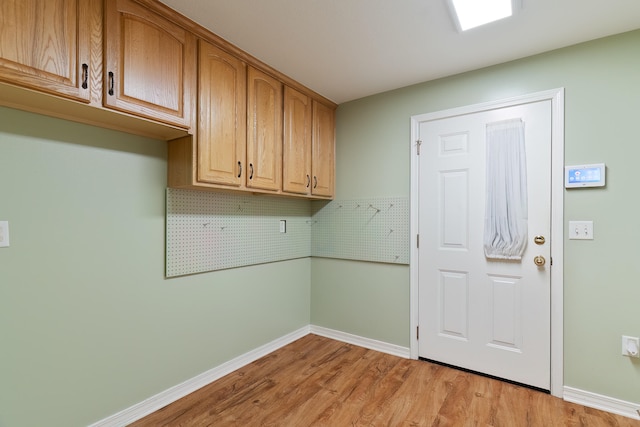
585 176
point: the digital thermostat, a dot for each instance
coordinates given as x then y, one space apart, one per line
584 176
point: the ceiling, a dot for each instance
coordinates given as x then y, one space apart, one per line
349 49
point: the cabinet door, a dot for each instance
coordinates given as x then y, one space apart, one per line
264 131
323 158
150 64
222 117
45 45
297 142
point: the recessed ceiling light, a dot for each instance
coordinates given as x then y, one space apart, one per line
473 13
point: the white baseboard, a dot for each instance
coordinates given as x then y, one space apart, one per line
174 393
371 344
603 403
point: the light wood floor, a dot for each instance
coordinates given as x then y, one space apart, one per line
317 381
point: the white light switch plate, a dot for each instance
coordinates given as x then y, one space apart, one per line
581 230
4 234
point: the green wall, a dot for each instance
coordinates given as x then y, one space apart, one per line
362 298
89 326
601 277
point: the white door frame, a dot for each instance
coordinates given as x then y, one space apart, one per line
556 96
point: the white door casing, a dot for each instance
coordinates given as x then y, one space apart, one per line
473 312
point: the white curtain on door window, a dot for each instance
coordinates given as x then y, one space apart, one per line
505 224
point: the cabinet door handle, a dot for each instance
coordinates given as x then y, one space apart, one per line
239 168
250 170
85 76
111 83
315 181
308 180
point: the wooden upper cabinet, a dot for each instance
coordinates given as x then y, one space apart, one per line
138 66
150 64
222 117
296 170
309 146
264 131
323 156
45 45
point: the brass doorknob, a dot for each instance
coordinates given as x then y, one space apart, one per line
539 261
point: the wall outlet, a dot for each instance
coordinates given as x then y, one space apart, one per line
630 346
4 234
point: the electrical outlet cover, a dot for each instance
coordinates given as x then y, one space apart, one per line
630 346
4 234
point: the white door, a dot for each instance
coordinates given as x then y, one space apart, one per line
484 315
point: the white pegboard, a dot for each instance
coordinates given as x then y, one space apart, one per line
214 231
367 229
209 231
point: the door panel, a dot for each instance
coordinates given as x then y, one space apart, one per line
454 217
264 131
222 115
297 142
323 150
50 48
454 295
150 64
505 308
490 316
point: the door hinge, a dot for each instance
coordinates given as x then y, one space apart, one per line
418 144
417 332
418 241
550 261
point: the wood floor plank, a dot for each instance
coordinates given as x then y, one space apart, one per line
320 382
346 396
423 394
